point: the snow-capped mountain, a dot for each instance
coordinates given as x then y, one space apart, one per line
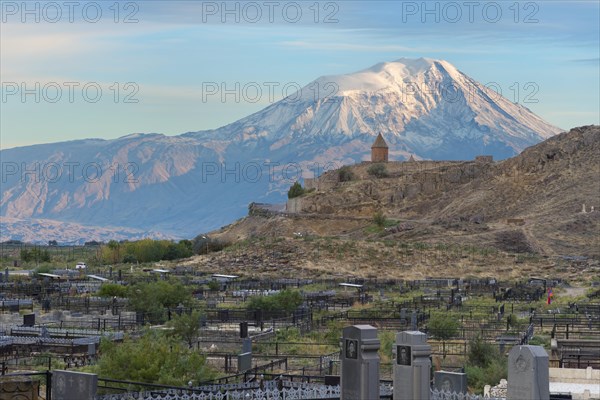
197 181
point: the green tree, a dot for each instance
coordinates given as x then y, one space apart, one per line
485 364
296 190
443 327
186 327
378 170
153 298
284 301
346 174
112 290
153 358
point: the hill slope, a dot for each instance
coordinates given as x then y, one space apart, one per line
528 203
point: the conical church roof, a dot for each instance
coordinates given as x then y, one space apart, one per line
380 142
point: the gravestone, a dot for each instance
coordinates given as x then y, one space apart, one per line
247 345
453 382
44 333
413 321
412 369
403 316
244 362
67 385
528 373
91 349
359 363
29 320
243 329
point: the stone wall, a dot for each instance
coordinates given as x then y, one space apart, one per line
574 375
294 205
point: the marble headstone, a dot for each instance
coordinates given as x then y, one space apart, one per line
359 363
412 366
67 385
528 374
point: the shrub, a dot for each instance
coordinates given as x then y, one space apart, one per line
152 358
379 219
112 290
286 300
345 174
485 364
378 170
443 326
296 190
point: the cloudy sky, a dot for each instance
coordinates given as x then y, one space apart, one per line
73 70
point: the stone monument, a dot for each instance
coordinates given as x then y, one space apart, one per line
528 375
452 382
359 359
412 369
67 385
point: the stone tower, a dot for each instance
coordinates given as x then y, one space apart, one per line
379 150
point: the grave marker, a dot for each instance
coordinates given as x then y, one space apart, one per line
453 382
359 363
528 375
412 368
67 385
244 362
29 320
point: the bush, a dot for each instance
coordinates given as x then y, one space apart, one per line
485 364
284 301
345 174
442 326
153 358
379 219
378 170
112 290
296 190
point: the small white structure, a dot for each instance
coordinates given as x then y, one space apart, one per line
80 265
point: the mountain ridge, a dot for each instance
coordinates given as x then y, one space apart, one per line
184 184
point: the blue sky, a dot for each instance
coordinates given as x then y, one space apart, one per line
154 61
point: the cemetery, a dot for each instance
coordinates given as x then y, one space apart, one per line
285 338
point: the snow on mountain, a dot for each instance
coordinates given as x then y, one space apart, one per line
197 181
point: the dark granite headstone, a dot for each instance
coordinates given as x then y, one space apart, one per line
332 380
29 320
67 385
453 382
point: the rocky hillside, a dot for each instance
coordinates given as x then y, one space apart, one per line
529 203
